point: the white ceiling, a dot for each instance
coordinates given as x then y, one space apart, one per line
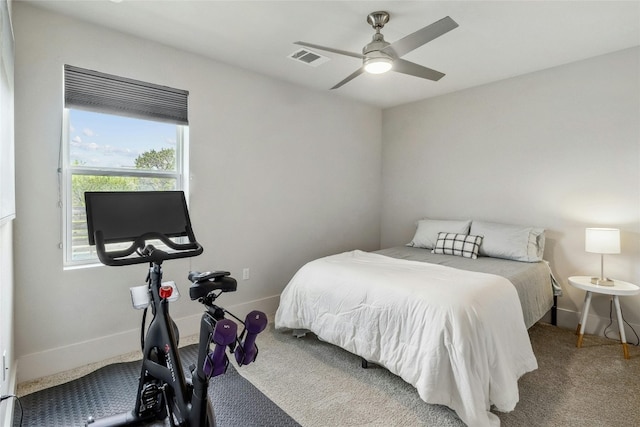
495 40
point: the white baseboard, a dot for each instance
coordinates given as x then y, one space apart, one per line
61 359
595 325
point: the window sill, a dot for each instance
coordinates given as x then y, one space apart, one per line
82 266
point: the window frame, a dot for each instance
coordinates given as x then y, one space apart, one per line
180 174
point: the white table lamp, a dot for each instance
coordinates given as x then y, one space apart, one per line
602 241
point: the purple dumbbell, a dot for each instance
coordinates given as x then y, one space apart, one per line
223 335
255 322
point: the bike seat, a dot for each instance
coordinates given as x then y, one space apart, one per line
205 283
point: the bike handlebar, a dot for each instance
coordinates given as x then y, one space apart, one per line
146 253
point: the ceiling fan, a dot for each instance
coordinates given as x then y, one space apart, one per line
380 56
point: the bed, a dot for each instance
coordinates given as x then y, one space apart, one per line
455 327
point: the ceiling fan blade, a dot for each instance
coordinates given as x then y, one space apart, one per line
330 49
350 77
420 37
406 67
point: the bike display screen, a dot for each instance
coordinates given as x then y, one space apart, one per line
123 216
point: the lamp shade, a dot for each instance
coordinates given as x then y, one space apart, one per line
602 240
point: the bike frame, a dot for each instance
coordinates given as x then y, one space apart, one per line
190 405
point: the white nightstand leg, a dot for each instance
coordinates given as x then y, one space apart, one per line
623 338
583 319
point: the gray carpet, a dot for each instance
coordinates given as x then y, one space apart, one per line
589 386
112 390
319 384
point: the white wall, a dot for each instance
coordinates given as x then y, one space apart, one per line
280 175
558 149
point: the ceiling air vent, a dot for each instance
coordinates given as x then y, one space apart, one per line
308 57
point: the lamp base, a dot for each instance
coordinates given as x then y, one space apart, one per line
602 281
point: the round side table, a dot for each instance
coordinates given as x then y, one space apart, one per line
618 289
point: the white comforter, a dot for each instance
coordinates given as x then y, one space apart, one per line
457 336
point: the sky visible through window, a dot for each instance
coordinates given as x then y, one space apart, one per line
105 140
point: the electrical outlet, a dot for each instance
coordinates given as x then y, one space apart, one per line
245 274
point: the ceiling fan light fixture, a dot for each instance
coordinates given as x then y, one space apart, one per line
378 65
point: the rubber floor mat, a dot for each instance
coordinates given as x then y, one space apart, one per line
112 389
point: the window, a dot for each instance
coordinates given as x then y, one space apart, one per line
119 134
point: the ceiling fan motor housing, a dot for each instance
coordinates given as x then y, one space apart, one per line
373 54
377 44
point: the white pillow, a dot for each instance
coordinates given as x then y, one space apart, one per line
428 229
514 242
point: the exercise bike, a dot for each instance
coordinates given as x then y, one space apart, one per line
164 392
